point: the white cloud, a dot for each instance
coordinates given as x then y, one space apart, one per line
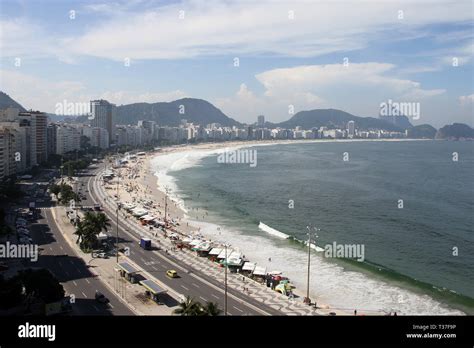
466 99
154 31
127 97
42 94
358 88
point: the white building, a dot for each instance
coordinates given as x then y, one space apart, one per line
98 137
351 129
68 138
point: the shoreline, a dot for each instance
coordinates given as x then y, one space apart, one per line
150 184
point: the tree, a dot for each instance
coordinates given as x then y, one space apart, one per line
89 228
67 194
189 307
41 284
11 292
211 309
55 189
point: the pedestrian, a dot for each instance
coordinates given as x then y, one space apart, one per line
355 311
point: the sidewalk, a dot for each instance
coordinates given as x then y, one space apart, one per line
255 290
132 295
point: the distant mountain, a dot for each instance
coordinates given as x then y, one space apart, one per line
197 111
6 102
423 131
455 131
399 121
333 118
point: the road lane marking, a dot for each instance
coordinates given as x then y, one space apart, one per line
111 306
238 309
84 294
184 287
202 298
197 286
60 247
215 296
87 280
74 282
156 269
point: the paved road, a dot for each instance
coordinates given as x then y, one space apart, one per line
195 283
71 270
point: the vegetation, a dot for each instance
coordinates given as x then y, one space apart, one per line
5 230
30 286
41 284
190 307
88 229
10 292
64 193
9 189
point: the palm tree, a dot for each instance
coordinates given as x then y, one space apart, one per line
211 309
80 231
189 307
101 222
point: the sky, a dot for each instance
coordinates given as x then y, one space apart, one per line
248 58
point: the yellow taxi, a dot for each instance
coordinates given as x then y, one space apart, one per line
172 273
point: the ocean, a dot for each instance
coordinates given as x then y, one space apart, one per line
407 203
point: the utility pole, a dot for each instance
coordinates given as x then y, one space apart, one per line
166 205
117 222
225 280
307 300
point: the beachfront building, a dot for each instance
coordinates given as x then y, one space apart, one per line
103 116
28 129
98 137
7 152
350 129
68 139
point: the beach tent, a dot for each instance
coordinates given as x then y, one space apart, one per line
195 242
259 271
222 254
249 266
275 273
234 255
215 251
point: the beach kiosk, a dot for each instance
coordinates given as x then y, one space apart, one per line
152 289
127 271
214 253
248 268
259 273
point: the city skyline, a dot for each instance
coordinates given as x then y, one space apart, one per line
353 60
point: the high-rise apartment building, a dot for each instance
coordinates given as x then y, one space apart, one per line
103 116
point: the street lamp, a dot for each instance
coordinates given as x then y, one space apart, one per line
310 228
225 278
117 222
167 190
